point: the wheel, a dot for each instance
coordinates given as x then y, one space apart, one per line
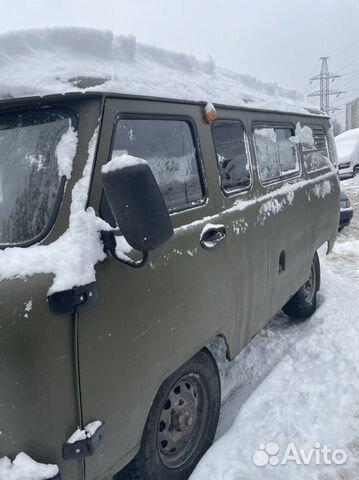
304 303
181 424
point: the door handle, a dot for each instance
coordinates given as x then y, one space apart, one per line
212 236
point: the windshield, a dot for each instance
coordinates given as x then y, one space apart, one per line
29 178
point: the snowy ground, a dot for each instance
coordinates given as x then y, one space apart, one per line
297 382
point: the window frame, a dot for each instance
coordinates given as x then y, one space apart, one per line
195 138
63 180
248 153
280 178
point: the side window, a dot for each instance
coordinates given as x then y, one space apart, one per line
31 172
232 155
315 153
168 147
276 152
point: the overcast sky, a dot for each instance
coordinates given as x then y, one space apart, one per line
274 40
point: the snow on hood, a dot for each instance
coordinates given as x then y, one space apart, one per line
60 60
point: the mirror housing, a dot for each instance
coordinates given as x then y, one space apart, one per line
136 202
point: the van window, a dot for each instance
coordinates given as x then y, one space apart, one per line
29 177
276 154
169 148
316 157
232 155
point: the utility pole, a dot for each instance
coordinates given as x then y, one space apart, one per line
324 91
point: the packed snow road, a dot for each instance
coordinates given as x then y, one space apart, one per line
290 408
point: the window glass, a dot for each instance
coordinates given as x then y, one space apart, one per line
169 149
287 151
267 153
233 163
276 152
29 178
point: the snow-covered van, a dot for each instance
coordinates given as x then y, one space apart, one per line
348 153
135 231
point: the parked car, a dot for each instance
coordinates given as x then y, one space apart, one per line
348 153
346 211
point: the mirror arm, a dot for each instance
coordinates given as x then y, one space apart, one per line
132 263
109 246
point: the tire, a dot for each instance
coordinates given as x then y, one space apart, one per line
181 424
304 303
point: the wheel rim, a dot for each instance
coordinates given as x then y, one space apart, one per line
310 285
182 421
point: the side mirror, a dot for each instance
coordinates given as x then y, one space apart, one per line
136 202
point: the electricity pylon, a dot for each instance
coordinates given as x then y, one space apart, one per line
324 92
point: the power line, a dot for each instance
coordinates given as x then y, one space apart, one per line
347 65
324 92
348 80
350 47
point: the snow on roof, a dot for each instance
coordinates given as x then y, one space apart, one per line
61 60
348 145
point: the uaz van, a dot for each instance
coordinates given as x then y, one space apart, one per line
134 232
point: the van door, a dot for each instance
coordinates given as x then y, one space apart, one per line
283 212
149 321
246 235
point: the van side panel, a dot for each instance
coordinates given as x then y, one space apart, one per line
149 321
37 402
305 217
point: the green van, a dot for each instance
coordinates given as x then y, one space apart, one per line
134 231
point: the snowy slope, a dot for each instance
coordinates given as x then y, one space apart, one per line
47 61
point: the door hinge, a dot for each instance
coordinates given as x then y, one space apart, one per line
85 447
72 301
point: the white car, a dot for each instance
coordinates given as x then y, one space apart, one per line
348 153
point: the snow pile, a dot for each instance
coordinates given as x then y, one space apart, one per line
88 432
321 190
274 206
122 161
350 249
59 60
305 394
348 146
65 152
72 257
25 468
303 135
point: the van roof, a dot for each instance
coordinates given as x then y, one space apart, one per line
54 98
63 60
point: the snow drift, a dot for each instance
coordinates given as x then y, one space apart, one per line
60 60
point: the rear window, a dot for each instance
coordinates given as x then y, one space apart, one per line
169 148
316 155
29 177
232 155
276 153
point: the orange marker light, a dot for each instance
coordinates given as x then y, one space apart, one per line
210 113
